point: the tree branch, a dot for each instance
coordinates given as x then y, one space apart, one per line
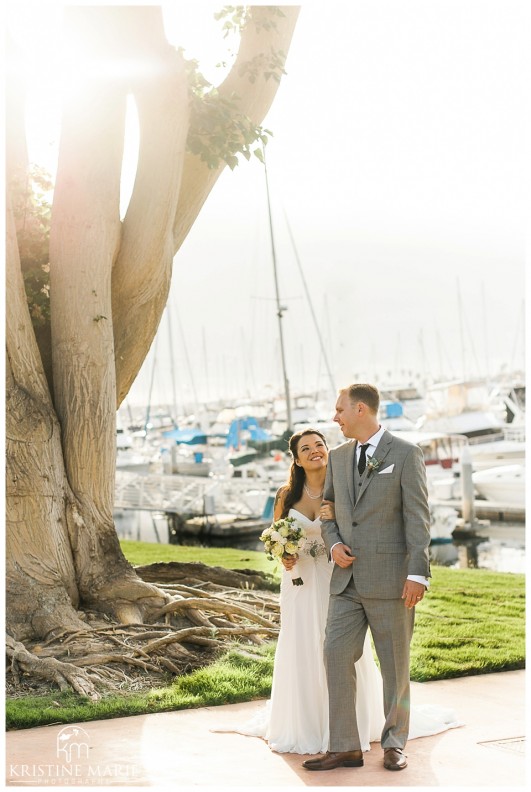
254 100
142 272
142 316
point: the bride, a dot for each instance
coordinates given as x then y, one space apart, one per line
295 720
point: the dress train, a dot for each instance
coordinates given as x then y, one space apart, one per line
295 719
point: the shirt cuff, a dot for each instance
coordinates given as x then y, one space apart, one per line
418 579
330 554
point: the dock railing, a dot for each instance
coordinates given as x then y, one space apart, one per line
190 494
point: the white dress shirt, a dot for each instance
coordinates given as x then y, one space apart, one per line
371 444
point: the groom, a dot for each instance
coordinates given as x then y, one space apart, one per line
379 544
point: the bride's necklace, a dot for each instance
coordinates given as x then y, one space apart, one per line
309 494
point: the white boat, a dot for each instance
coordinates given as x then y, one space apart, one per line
497 453
441 451
502 484
446 488
508 402
129 460
443 522
408 395
393 417
460 407
127 457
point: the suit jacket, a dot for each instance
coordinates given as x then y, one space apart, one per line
387 525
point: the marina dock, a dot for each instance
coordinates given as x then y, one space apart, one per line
487 510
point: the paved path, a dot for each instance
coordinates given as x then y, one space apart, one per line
178 750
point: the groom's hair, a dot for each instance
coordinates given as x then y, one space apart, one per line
368 394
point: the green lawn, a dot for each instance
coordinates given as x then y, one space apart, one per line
471 622
143 553
234 677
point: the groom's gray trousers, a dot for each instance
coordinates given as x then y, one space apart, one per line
391 625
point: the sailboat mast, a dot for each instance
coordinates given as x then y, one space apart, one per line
312 311
152 380
280 308
461 329
172 365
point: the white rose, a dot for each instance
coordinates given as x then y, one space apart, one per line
291 547
275 536
277 550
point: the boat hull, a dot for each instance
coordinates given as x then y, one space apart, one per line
503 484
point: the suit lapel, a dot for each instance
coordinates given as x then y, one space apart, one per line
382 449
349 471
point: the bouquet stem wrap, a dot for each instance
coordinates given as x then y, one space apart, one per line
295 576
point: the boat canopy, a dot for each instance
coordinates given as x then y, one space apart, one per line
188 436
392 409
249 424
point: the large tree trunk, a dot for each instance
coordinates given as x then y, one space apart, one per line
40 577
108 285
41 587
84 241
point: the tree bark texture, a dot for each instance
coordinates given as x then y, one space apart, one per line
109 282
41 587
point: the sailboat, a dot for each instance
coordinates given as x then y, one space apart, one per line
290 418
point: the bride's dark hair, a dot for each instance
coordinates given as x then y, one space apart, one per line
292 491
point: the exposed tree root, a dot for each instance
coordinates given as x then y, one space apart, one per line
195 572
200 619
65 675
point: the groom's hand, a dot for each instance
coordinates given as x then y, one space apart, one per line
342 555
412 593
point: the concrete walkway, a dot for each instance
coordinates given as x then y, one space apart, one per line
178 750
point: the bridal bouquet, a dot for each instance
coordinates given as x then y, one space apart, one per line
283 538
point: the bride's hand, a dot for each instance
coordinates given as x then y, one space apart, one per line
289 561
327 510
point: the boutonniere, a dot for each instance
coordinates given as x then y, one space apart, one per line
372 464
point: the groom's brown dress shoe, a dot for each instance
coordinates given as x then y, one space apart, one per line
394 759
332 760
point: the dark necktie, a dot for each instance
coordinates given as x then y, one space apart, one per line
362 460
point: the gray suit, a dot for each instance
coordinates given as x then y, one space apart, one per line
384 518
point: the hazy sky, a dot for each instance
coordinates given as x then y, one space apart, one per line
398 160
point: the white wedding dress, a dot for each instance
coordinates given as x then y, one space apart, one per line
295 719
